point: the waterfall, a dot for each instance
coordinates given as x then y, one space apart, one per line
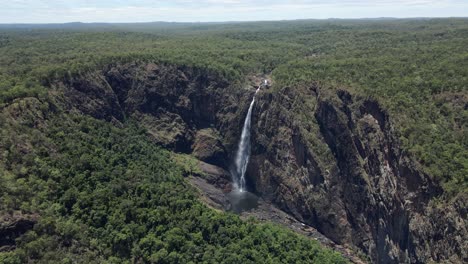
243 151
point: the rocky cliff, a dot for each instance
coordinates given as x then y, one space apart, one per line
333 161
329 158
183 108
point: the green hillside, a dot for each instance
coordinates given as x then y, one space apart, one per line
105 193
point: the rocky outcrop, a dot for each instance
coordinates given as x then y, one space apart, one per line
439 233
13 226
329 158
183 108
208 147
212 192
216 176
334 162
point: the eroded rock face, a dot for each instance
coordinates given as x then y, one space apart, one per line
208 147
442 231
13 226
328 158
184 109
334 162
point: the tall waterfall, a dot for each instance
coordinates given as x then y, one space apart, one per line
243 151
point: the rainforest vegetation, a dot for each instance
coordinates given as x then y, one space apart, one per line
417 69
107 194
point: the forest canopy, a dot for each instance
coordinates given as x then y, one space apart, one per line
418 69
106 194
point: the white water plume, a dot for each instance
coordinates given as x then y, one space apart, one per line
243 151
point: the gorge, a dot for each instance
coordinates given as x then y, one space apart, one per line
361 191
305 141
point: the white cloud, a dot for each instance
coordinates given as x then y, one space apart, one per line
42 11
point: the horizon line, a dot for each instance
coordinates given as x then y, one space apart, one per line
238 21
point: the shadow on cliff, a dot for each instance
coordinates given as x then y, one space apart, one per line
334 161
184 109
329 158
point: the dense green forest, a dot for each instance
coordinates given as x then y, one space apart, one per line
108 195
416 68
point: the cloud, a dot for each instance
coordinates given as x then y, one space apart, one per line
42 11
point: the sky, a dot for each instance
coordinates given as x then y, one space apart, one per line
61 11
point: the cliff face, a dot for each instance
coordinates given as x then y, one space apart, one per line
330 159
182 108
334 162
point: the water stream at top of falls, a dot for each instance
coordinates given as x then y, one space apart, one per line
243 151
